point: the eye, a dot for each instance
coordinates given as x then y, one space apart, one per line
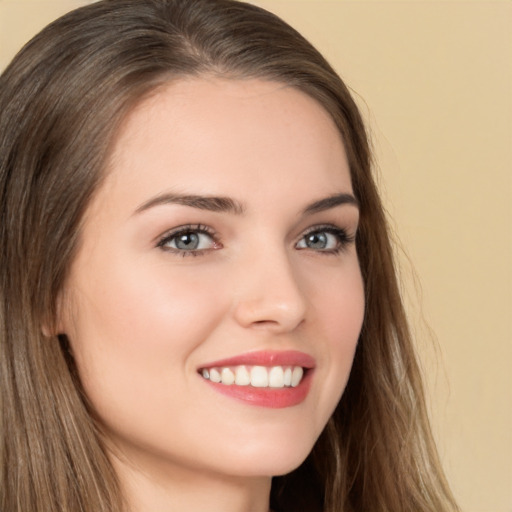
189 240
329 239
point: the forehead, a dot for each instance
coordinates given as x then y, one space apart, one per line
211 135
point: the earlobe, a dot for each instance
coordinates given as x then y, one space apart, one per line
47 332
51 328
54 324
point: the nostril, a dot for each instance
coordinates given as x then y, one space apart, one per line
264 322
275 325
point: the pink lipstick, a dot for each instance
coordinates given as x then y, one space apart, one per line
274 379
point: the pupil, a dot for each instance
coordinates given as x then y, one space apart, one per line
188 241
317 241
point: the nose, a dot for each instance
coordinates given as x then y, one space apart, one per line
269 295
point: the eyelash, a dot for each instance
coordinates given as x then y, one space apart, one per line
183 230
343 239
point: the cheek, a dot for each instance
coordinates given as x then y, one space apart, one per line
337 303
339 309
135 328
144 307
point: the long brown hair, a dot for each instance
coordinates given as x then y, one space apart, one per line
61 102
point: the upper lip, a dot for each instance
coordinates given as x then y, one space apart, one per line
267 358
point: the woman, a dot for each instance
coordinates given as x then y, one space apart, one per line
186 309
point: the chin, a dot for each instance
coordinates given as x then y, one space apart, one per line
271 459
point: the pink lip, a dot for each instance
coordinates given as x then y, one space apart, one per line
267 397
267 358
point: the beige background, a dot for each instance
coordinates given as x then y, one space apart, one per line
434 80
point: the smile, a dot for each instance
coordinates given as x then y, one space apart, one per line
255 376
270 379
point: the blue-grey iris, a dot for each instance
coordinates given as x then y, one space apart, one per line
188 241
316 240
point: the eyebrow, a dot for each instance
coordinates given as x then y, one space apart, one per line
229 205
331 202
210 203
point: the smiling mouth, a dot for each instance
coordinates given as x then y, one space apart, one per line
276 377
266 378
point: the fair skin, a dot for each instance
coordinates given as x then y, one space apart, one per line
166 286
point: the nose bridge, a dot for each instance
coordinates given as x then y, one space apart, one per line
268 290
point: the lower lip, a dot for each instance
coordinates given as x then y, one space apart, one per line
273 398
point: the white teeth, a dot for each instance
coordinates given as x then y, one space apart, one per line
259 377
242 376
256 376
276 377
214 375
288 377
296 376
227 376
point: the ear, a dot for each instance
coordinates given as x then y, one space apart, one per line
47 332
53 325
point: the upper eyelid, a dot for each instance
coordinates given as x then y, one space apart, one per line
323 226
328 227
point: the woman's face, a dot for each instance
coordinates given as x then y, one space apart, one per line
220 246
